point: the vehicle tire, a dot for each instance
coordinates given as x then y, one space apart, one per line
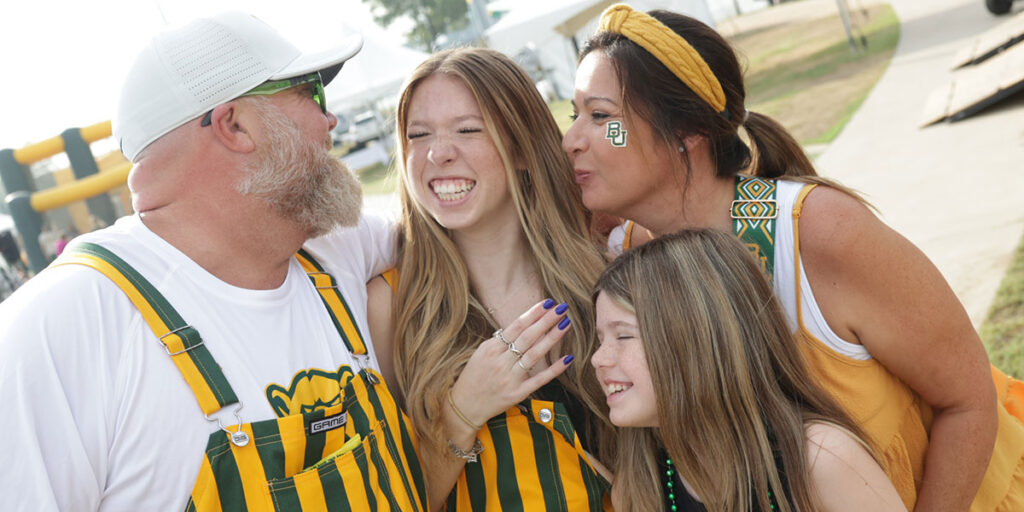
998 6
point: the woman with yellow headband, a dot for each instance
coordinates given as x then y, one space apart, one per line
660 102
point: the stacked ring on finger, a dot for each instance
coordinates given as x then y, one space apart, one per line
521 365
500 334
515 352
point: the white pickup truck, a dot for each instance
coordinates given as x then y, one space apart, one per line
365 127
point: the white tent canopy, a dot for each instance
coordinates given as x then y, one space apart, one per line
376 73
538 21
547 28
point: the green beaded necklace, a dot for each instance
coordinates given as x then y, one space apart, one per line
670 484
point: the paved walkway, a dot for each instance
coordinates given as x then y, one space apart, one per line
956 190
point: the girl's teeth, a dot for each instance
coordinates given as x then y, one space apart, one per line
452 190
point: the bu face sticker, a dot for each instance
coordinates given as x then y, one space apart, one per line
616 134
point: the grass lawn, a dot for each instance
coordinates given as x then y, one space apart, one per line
377 179
1003 330
562 110
805 75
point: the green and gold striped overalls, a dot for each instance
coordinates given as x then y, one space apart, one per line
356 455
532 460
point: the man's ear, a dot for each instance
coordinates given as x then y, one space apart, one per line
229 128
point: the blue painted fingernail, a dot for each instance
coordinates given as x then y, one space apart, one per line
564 323
561 308
568 359
548 304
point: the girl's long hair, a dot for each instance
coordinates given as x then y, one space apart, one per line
733 392
439 322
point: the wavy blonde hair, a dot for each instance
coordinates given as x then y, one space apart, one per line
439 322
732 389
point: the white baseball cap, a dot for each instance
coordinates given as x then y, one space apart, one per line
184 72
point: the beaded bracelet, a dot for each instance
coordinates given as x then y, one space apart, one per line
459 413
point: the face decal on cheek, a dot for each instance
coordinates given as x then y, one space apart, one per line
616 134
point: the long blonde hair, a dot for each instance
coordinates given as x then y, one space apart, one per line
439 322
732 390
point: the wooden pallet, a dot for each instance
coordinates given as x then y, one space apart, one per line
973 88
991 42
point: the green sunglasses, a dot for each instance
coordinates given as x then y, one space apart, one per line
276 86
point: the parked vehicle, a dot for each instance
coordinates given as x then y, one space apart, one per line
365 127
339 131
998 6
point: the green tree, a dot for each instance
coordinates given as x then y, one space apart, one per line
431 18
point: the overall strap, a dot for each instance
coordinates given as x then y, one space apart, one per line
341 315
181 341
390 276
753 211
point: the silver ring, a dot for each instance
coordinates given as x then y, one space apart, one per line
500 334
515 352
521 365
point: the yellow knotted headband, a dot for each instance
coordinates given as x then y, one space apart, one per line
668 47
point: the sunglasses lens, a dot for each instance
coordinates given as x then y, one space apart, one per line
319 96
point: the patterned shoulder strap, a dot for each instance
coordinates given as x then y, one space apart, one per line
753 211
181 341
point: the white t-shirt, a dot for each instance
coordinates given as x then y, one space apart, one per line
97 416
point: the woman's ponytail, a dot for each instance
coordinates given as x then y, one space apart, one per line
776 154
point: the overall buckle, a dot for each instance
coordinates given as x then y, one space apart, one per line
238 438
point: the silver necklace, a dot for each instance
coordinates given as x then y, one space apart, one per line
508 296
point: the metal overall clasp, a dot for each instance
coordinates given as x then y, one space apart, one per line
238 438
363 361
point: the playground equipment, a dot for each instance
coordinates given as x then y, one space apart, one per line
26 203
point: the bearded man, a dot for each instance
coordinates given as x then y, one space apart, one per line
193 355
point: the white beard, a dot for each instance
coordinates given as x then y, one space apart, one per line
299 179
